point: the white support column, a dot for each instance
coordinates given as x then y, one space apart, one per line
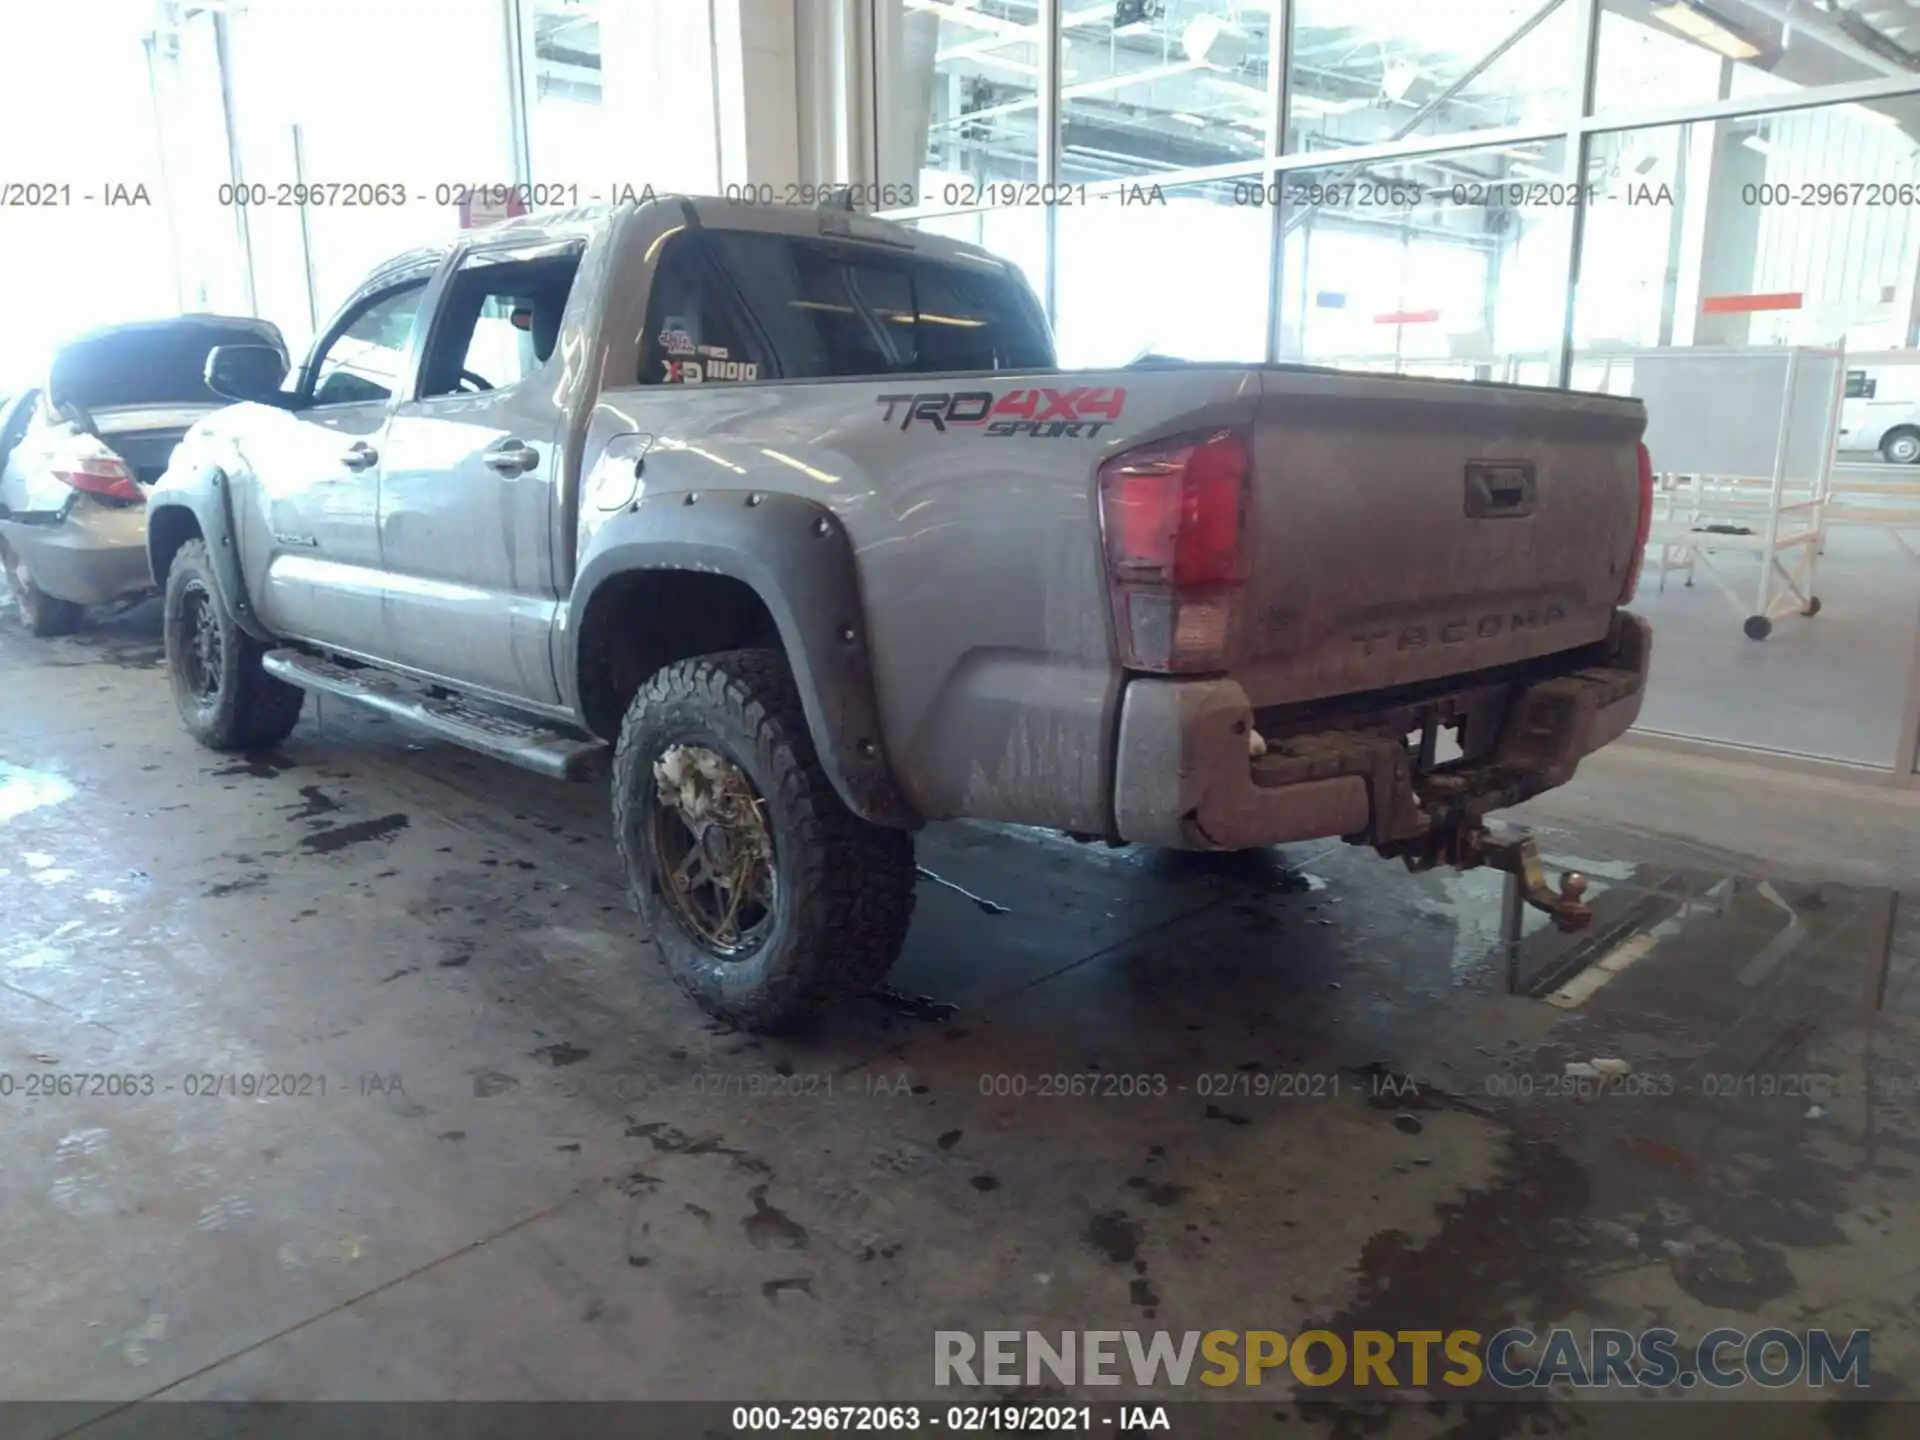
704 93
833 94
758 90
904 45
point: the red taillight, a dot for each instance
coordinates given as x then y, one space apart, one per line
1174 514
1641 531
104 475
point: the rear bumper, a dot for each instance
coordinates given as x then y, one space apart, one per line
1185 776
93 556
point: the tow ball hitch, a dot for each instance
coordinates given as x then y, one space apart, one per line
1468 846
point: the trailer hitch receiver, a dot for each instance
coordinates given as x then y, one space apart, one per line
1467 846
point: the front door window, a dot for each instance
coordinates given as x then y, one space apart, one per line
362 363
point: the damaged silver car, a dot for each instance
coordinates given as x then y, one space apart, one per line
79 453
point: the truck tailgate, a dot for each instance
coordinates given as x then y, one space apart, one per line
1407 529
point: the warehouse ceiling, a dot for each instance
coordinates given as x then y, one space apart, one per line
1155 85
1166 84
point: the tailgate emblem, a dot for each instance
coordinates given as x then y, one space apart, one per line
1499 489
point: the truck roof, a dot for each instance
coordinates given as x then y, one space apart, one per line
583 222
713 212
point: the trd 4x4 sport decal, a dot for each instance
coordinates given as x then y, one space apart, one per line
1078 414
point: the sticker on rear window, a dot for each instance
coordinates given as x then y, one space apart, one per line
698 372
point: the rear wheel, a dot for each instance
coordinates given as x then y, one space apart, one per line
1902 447
226 699
41 613
766 896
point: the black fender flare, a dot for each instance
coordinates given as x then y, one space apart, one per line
210 499
796 556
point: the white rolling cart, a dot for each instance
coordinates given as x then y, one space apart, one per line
1742 444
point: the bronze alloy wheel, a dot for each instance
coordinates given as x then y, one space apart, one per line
764 896
715 853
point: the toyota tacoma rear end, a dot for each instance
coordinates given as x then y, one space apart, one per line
1380 610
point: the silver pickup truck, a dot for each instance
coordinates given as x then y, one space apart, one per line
790 515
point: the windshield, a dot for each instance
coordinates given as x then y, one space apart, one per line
161 365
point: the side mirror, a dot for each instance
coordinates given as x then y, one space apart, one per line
245 372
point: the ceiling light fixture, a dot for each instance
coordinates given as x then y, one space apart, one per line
1702 25
1320 105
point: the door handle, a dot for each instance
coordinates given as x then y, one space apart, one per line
513 458
360 456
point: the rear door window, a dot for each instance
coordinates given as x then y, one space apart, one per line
835 310
696 332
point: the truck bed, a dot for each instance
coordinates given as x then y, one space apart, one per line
971 502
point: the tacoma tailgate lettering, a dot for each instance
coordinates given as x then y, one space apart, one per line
1419 636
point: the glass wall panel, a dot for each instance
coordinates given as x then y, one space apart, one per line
1446 265
1149 85
1913 702
958 88
1709 249
292 76
1186 277
1815 212
1654 54
567 130
186 87
276 234
86 239
1367 71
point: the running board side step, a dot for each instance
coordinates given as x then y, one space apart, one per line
547 751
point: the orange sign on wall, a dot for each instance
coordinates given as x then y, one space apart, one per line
1747 304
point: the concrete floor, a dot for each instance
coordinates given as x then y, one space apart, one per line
1833 685
537 1172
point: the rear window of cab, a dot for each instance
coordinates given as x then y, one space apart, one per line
743 305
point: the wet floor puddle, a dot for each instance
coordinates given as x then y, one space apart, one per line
22 790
